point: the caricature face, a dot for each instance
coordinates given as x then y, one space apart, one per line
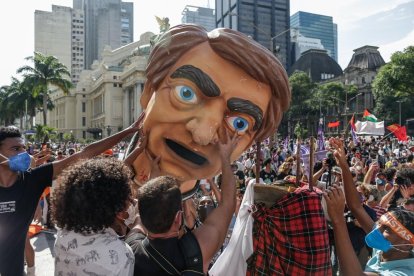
202 94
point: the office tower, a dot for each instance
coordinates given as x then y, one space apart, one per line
266 21
201 16
60 33
317 26
78 35
301 44
107 22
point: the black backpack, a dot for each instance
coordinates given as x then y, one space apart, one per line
192 255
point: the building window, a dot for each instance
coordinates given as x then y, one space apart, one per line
83 121
83 106
114 84
84 134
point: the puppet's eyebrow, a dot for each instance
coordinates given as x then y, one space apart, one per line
247 107
197 76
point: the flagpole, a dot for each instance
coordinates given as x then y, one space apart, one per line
392 132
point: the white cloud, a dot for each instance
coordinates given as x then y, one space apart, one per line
388 49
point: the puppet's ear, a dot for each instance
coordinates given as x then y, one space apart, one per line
146 95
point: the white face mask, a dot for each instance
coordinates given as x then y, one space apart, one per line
132 215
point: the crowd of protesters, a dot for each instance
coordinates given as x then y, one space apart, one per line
381 194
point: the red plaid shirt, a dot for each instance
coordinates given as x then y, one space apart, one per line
291 237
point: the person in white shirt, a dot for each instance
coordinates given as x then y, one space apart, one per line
92 206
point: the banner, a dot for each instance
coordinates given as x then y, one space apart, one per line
318 156
370 128
303 149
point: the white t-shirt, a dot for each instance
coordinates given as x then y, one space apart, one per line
100 253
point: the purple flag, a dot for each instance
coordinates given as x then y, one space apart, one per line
354 136
321 137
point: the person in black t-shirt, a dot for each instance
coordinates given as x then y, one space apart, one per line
21 188
267 173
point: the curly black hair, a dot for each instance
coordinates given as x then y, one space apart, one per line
90 194
9 132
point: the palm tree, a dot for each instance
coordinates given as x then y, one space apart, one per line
7 114
47 70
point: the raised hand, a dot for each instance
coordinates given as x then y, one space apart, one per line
142 143
338 150
335 201
137 125
155 166
228 144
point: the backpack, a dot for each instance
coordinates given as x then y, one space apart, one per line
192 255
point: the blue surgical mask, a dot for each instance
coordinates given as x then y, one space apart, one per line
376 239
380 181
19 162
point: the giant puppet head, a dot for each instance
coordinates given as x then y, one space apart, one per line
199 83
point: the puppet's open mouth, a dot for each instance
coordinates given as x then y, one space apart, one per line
186 153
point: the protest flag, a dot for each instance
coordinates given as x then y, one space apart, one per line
333 124
321 136
369 117
399 131
353 128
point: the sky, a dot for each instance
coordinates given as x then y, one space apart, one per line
358 25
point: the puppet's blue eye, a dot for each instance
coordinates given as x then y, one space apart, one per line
238 124
186 94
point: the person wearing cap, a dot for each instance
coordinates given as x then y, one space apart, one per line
391 238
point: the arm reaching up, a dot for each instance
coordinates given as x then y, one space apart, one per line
96 148
351 194
348 261
211 234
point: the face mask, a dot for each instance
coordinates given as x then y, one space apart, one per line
376 239
19 162
132 215
380 181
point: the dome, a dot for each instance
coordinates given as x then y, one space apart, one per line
317 64
366 57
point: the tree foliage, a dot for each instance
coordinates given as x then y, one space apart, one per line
46 71
395 82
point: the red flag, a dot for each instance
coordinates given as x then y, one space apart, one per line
399 131
401 134
352 123
393 127
333 124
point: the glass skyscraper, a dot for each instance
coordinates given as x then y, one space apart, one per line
266 21
201 16
317 26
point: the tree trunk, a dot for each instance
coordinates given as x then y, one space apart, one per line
44 108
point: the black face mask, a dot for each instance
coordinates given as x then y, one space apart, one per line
204 211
